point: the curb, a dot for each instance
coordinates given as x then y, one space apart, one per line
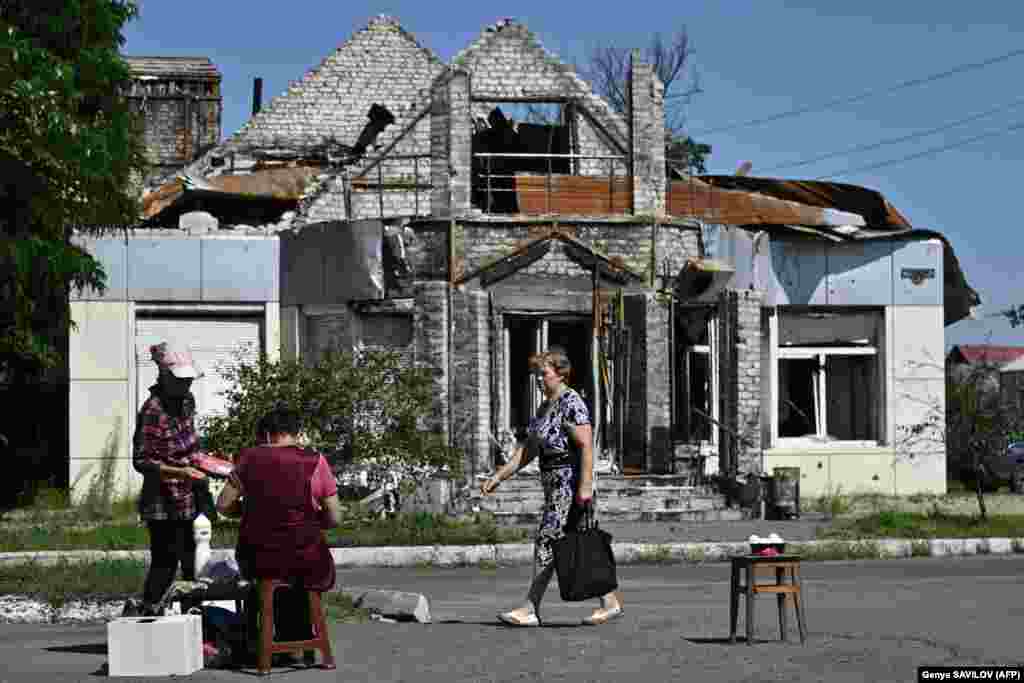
521 554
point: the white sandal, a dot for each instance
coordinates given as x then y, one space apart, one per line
604 615
512 619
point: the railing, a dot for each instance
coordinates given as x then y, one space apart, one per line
610 193
375 167
490 187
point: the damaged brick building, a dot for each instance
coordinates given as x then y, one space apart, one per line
715 323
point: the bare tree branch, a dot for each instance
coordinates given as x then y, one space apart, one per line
607 70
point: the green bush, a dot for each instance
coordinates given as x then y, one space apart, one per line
362 408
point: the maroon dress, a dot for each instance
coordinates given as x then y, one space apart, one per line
280 535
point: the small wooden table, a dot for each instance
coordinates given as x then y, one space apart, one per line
751 564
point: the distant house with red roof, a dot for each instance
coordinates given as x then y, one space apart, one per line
972 354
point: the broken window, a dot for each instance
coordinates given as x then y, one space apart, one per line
696 377
528 334
535 139
829 378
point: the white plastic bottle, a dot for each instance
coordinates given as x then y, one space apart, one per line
202 532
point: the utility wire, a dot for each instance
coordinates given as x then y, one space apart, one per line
829 104
893 141
925 153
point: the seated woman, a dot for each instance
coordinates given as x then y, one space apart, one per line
286 496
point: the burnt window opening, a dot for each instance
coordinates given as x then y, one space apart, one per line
527 334
541 129
829 375
695 381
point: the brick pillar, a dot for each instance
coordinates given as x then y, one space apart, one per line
646 137
450 145
440 113
658 388
471 399
431 332
739 349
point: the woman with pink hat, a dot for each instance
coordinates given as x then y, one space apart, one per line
165 440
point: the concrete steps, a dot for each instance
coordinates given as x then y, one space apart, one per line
649 498
723 515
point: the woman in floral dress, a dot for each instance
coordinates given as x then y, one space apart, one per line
561 436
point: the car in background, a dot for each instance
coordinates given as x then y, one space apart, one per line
1006 468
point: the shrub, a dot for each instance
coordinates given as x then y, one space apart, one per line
833 503
361 409
659 554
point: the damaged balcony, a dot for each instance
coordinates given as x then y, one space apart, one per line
539 165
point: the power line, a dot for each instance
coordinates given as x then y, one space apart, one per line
893 141
865 95
925 153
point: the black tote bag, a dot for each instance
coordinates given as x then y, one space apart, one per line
584 561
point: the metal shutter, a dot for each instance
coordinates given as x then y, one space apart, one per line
213 343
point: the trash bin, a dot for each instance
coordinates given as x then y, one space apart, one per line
785 491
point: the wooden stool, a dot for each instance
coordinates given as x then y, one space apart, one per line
782 564
268 646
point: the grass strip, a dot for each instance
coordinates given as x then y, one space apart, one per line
58 583
913 525
413 529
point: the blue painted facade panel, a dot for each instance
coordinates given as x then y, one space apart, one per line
918 273
239 269
860 273
112 254
798 273
164 269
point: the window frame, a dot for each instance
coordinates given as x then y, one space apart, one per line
820 439
707 447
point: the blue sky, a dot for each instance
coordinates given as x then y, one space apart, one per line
753 59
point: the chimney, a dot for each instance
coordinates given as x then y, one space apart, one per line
646 137
257 95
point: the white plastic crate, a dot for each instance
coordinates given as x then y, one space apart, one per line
155 646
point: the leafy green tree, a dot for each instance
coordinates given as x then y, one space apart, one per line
71 158
360 409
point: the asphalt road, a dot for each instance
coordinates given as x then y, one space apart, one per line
868 621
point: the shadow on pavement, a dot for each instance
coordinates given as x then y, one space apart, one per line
506 627
86 649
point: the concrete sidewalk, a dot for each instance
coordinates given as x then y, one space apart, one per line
633 543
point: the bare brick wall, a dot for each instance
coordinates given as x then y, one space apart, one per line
460 141
508 62
748 376
336 329
592 142
430 328
658 389
647 138
451 133
482 243
440 151
381 64
676 243
182 118
327 110
471 386
740 329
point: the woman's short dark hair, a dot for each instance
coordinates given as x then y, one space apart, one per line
557 358
280 421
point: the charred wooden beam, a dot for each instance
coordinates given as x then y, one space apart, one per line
590 261
509 265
